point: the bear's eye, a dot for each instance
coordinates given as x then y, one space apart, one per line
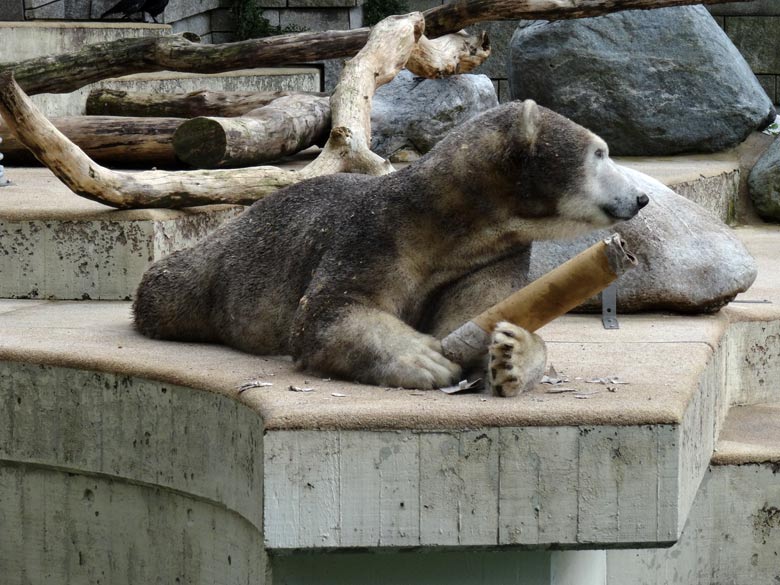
599 153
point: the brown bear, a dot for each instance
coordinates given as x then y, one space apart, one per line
356 276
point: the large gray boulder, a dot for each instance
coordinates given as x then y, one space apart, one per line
764 184
410 114
650 82
689 261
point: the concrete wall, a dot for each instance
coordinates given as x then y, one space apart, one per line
732 536
111 479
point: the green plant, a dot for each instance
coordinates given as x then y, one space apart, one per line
251 24
376 10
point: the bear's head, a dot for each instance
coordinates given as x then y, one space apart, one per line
565 177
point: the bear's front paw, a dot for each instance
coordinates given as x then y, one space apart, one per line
417 362
517 360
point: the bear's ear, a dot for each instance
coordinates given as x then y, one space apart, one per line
531 119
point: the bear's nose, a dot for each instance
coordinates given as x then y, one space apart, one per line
642 200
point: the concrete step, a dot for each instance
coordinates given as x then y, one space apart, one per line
48 234
24 40
734 527
750 435
54 244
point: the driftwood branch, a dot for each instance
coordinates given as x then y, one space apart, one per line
387 50
129 190
71 71
448 54
452 17
66 73
113 102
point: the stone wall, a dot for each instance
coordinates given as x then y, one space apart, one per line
754 27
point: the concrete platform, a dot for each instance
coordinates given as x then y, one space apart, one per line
348 467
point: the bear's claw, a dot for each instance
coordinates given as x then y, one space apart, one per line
517 360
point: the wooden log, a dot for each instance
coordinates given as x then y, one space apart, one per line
387 50
283 127
113 102
124 190
68 72
71 71
122 141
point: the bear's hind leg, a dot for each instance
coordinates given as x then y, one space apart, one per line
374 347
169 305
516 361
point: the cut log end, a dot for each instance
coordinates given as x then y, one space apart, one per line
201 143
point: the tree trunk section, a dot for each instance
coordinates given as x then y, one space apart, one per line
285 126
112 102
122 141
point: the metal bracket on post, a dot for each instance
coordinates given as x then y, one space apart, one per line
609 307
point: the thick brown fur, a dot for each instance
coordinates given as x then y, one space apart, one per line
345 271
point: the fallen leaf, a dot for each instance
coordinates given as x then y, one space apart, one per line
464 387
590 394
606 380
253 384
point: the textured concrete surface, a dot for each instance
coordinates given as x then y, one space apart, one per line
25 40
54 244
591 467
711 181
574 486
751 434
123 480
129 460
732 536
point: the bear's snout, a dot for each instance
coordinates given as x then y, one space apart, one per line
642 200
